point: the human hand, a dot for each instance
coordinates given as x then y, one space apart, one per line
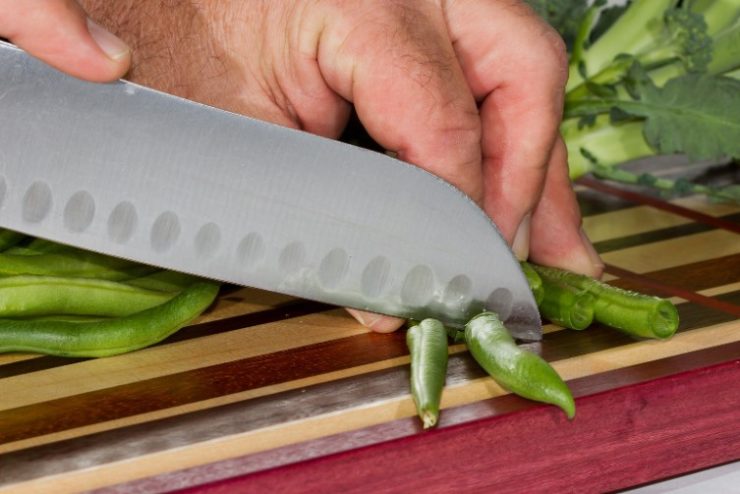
59 33
471 90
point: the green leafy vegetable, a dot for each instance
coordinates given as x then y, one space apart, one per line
652 77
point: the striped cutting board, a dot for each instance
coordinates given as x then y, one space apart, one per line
268 392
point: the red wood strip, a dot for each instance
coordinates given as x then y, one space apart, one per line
621 438
589 385
659 204
646 281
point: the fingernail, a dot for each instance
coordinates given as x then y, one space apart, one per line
520 245
596 263
376 322
367 319
111 44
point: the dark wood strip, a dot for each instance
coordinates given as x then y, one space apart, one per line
693 277
196 385
200 384
287 311
633 407
674 291
592 202
658 203
658 235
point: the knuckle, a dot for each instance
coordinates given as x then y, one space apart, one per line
554 54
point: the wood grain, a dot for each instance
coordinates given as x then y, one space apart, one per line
267 390
621 438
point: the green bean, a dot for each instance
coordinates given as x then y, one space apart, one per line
631 312
163 281
427 343
39 246
107 337
20 250
10 238
43 246
33 296
456 335
518 370
72 262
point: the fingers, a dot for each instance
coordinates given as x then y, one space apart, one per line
394 61
59 33
517 66
557 238
376 322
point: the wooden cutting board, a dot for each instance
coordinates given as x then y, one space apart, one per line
269 392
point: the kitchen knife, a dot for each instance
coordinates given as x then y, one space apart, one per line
139 174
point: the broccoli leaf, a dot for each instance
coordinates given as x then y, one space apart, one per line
698 115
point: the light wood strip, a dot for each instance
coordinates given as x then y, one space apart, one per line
675 252
642 219
625 222
361 417
91 375
720 290
9 358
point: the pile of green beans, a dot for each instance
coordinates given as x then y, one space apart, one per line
58 300
565 298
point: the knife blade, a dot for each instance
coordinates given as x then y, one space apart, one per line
139 174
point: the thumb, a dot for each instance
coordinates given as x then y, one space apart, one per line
60 33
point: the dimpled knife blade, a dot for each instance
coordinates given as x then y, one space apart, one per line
139 174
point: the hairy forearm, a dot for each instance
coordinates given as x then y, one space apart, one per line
175 47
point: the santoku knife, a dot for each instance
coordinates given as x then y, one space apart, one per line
139 174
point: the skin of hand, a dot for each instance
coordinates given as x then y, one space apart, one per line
59 33
471 90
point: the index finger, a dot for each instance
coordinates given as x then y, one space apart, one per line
516 65
59 33
394 61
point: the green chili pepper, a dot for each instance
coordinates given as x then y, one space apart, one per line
427 343
634 313
31 296
535 283
518 370
107 337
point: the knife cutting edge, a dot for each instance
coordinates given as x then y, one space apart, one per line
135 173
